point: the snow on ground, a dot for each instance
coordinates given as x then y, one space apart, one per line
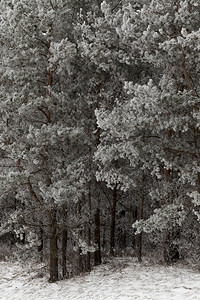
123 279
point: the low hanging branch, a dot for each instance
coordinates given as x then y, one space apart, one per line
32 192
187 77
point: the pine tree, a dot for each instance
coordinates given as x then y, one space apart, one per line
37 53
156 128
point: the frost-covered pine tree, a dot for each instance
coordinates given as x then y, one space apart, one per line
156 129
40 134
106 54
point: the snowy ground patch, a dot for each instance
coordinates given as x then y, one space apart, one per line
125 279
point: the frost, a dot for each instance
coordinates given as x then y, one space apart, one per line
170 215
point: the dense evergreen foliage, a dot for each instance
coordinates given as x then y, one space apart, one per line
100 130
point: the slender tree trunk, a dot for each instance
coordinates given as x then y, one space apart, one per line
97 218
97 233
88 262
89 228
166 235
113 221
97 238
64 242
89 253
64 254
41 241
141 217
53 246
81 258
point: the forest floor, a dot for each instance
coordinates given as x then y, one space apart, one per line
120 279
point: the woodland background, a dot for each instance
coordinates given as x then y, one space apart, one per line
99 131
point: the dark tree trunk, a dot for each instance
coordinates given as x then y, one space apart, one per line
140 247
113 221
41 245
97 236
89 228
166 240
141 217
135 217
53 246
89 253
64 242
166 234
64 254
81 257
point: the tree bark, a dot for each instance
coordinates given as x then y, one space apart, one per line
141 217
53 270
64 242
113 221
166 236
89 227
97 238
41 245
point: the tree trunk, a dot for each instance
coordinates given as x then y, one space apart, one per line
81 258
89 228
64 255
53 246
166 241
41 245
97 233
97 238
64 242
166 237
89 253
113 221
141 217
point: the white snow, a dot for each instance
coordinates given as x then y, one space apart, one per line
123 279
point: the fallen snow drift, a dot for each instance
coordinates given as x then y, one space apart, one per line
124 279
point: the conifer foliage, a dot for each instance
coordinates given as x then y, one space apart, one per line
99 129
